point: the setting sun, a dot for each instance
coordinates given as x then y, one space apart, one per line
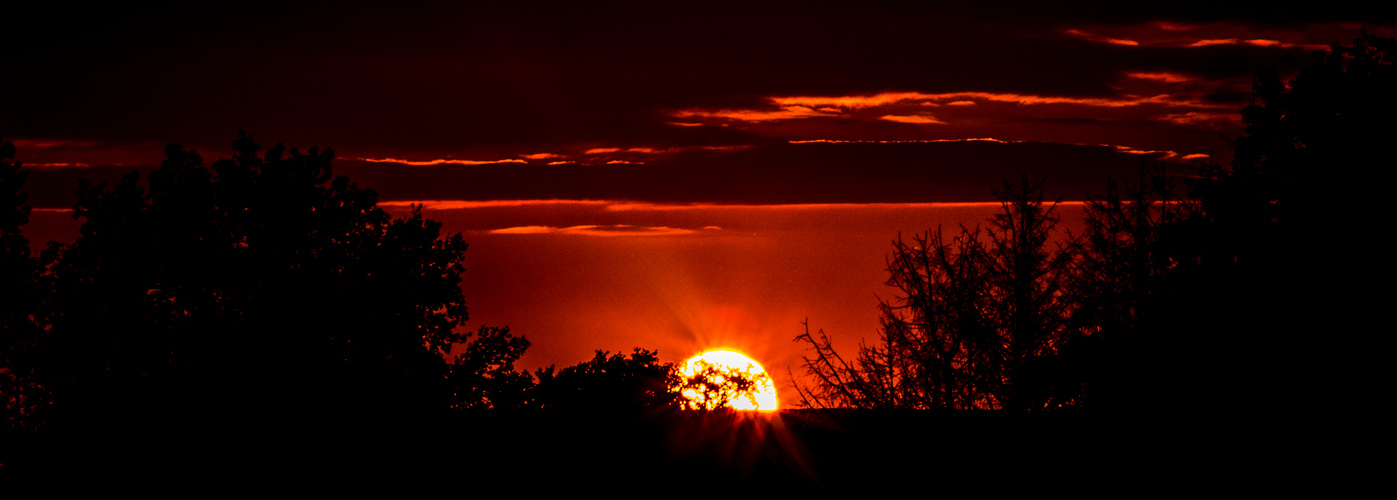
721 378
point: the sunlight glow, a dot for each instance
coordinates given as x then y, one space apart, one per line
724 364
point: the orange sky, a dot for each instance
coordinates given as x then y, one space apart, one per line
741 277
715 174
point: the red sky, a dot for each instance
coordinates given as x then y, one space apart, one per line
632 175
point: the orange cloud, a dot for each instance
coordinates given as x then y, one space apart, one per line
916 119
465 204
667 207
861 141
787 112
525 230
542 156
964 98
1201 118
1133 151
56 165
594 230
1101 39
441 162
597 151
51 143
1160 77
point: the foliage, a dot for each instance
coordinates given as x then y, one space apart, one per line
20 393
1280 247
617 382
1125 251
971 315
483 375
263 278
1234 282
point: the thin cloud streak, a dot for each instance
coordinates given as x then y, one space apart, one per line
1101 39
621 206
468 204
440 161
597 230
913 119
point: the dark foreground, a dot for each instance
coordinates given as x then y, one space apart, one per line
687 453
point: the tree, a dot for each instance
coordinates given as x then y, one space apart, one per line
972 316
20 393
637 382
1282 248
483 375
263 279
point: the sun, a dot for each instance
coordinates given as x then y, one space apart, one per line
723 378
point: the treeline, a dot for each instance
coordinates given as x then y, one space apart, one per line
262 287
1232 289
258 288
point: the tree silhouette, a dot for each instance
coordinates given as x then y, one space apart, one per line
264 279
20 294
483 375
1133 233
636 383
1262 279
973 316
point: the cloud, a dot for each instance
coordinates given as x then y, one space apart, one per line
1284 36
1160 77
466 204
855 141
969 98
52 143
786 112
597 230
1214 119
441 161
56 165
525 230
916 119
1101 39
1258 42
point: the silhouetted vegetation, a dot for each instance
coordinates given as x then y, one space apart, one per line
972 317
262 295
20 296
262 279
1164 302
637 382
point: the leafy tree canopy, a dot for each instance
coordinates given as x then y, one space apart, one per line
262 279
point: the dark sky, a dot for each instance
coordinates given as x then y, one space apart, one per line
819 130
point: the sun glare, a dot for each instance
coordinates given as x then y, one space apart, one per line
721 378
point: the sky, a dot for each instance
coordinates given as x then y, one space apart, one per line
671 176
